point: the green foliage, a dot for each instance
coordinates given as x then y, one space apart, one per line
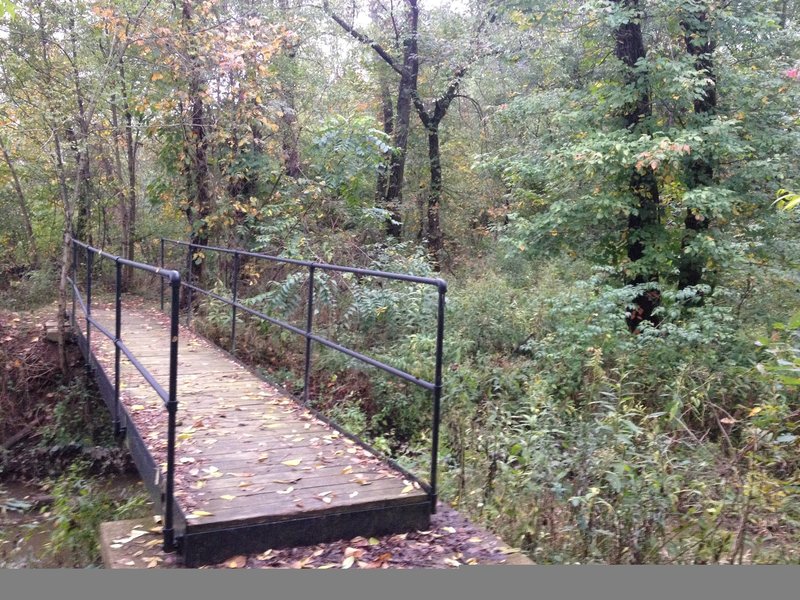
347 152
81 504
31 290
590 444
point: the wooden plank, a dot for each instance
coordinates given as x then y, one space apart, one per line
246 451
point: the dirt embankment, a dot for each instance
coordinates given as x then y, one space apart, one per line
47 418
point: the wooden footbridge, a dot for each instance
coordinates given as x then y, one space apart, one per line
235 464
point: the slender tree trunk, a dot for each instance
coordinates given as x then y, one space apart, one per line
435 238
431 120
644 219
66 252
200 207
128 179
387 120
699 170
23 205
407 87
80 145
290 135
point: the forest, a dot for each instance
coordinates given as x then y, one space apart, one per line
610 188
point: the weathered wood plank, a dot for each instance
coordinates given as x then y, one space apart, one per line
246 452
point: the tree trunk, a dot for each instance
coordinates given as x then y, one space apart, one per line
431 119
23 206
200 206
80 146
435 239
644 219
66 253
407 86
290 135
699 171
130 200
387 119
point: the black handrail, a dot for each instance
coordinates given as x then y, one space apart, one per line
435 387
170 396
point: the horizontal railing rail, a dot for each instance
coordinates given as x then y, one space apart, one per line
434 387
168 396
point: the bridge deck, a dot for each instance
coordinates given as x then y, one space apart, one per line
254 469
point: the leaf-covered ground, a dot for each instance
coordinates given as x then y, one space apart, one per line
451 542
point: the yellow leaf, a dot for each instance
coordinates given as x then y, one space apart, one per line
756 410
156 76
407 489
348 562
237 562
201 513
293 462
227 497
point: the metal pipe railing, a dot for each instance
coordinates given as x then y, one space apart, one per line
435 387
170 396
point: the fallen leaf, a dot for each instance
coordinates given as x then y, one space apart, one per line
407 489
452 562
237 562
350 551
228 497
348 562
201 513
288 490
449 529
293 462
374 541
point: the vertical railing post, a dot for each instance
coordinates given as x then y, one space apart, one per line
89 257
188 289
235 295
163 281
309 326
172 410
437 396
117 340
